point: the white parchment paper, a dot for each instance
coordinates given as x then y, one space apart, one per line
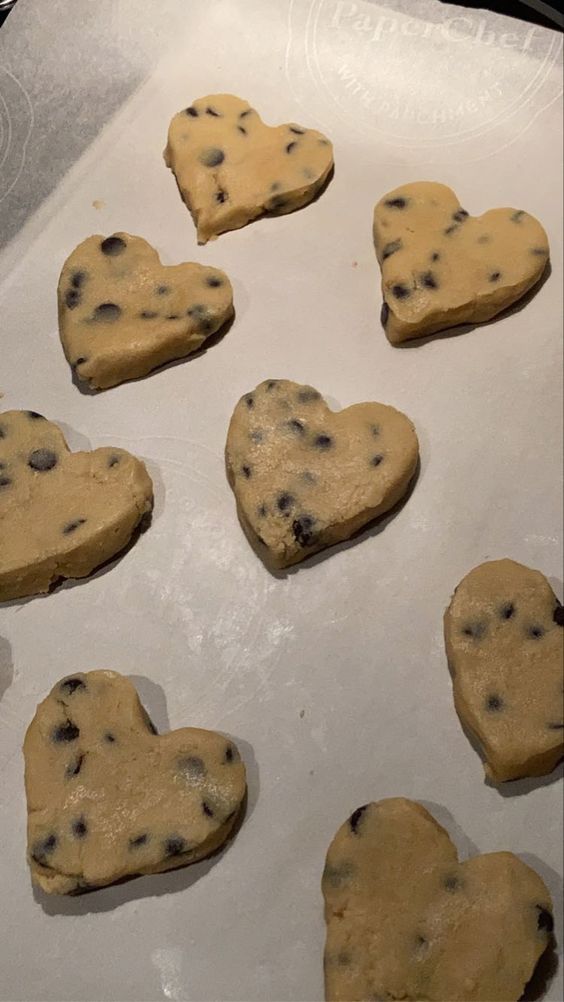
331 678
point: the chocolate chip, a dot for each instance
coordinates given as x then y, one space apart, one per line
231 754
396 203
375 429
78 279
297 426
113 461
175 845
495 276
494 704
541 251
256 436
558 614
192 111
302 529
384 313
109 738
517 216
507 610
243 114
556 727
242 130
401 291
80 361
429 280
221 196
451 883
112 246
65 732
192 767
291 146
308 477
72 526
107 312
535 632
475 630
323 442
5 482
79 828
391 248
284 502
207 809
275 186
377 459
435 256
148 314
42 460
250 401
35 416
72 298
173 316
272 383
306 396
262 511
213 281
296 131
45 848
246 471
338 876
213 112
70 685
545 921
450 229
162 290
212 157
2 432
74 767
460 215
344 958
356 818
139 840
278 202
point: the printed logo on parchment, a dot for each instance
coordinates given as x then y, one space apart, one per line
422 83
16 122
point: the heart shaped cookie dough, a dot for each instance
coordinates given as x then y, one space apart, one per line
406 920
122 313
109 798
62 514
505 645
230 167
305 477
442 267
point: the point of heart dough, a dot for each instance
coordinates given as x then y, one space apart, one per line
230 167
122 313
442 267
62 514
505 646
108 798
406 920
305 477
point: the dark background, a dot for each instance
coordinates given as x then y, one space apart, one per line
552 18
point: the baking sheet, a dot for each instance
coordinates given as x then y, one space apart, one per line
332 678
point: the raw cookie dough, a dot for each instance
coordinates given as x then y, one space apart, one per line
107 798
122 313
230 167
62 514
442 267
505 647
305 477
406 920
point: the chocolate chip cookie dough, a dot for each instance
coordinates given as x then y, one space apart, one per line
122 313
305 477
230 167
442 267
62 514
108 798
505 645
406 920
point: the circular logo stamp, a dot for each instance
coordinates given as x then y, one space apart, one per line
16 122
422 79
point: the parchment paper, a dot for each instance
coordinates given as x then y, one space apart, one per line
332 678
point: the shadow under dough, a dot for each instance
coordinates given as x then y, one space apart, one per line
6 666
